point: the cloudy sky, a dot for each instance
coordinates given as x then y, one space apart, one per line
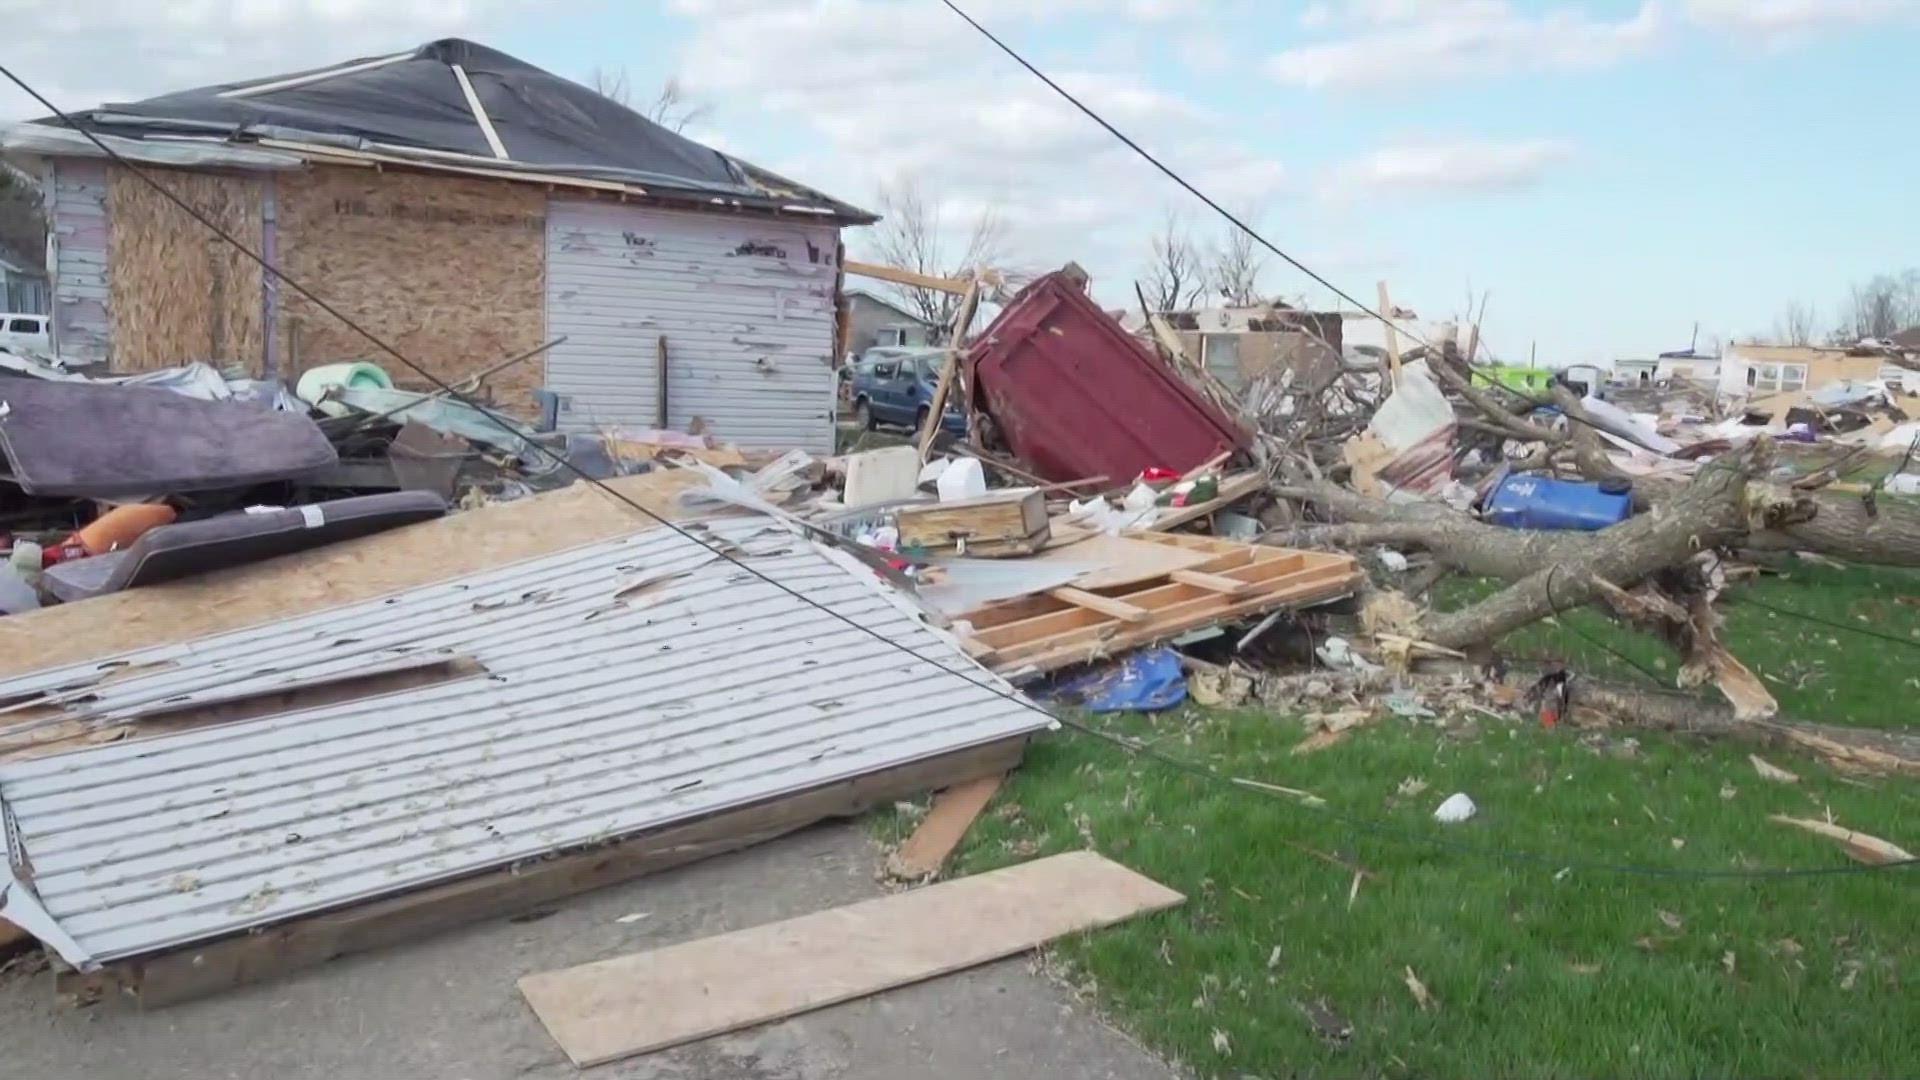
1612 171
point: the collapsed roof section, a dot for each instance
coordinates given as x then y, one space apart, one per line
447 104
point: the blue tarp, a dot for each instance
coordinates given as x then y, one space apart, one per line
1146 681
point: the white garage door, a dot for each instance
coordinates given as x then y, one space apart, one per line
746 305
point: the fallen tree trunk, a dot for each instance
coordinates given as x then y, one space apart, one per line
1553 571
1842 528
1851 749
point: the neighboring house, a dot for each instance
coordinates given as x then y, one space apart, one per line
1687 365
873 320
1633 372
1773 378
465 207
23 282
1670 367
1237 344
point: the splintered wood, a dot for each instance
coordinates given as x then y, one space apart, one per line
633 1004
1077 625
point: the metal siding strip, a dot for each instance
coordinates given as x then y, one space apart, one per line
620 276
597 731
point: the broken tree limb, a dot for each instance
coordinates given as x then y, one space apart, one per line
1859 846
1848 749
1555 571
1495 414
1842 527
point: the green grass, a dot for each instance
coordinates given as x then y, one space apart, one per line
1816 672
1537 972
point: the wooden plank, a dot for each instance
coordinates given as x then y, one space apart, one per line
630 1005
1393 339
1198 607
1006 518
956 337
1105 605
898 276
303 943
953 813
1232 490
1169 599
1215 583
1091 641
1260 563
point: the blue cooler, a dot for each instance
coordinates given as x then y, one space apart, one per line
1541 502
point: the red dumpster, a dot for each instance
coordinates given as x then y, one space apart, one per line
1074 395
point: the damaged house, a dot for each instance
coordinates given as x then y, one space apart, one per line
466 207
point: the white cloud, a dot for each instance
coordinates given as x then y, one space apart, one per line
1452 168
85 54
890 91
1783 22
1409 41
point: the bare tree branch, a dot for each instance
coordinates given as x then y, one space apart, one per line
1175 278
1234 266
671 108
1880 308
1795 326
612 84
912 235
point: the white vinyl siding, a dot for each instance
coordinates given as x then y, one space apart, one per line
746 305
77 219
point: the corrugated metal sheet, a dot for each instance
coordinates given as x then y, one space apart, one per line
746 304
1074 395
627 685
77 219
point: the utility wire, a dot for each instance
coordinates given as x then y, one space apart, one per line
1013 697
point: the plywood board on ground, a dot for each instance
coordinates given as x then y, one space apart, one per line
1124 560
634 1004
361 569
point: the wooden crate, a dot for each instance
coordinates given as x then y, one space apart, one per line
997 525
1063 627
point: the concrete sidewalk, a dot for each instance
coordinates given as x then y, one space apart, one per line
446 1007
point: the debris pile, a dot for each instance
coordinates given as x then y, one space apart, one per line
493 656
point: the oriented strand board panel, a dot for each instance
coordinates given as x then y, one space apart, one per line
448 270
633 1004
1124 560
334 575
179 292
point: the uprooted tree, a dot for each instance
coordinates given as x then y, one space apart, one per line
1662 570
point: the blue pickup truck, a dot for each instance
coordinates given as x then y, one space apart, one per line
894 387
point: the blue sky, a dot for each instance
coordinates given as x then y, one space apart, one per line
1612 171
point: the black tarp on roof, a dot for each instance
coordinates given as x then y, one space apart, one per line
544 122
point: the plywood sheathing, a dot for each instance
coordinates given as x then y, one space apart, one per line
448 270
179 293
343 573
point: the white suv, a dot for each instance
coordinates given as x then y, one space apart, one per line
25 333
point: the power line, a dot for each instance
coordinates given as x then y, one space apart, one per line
722 552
